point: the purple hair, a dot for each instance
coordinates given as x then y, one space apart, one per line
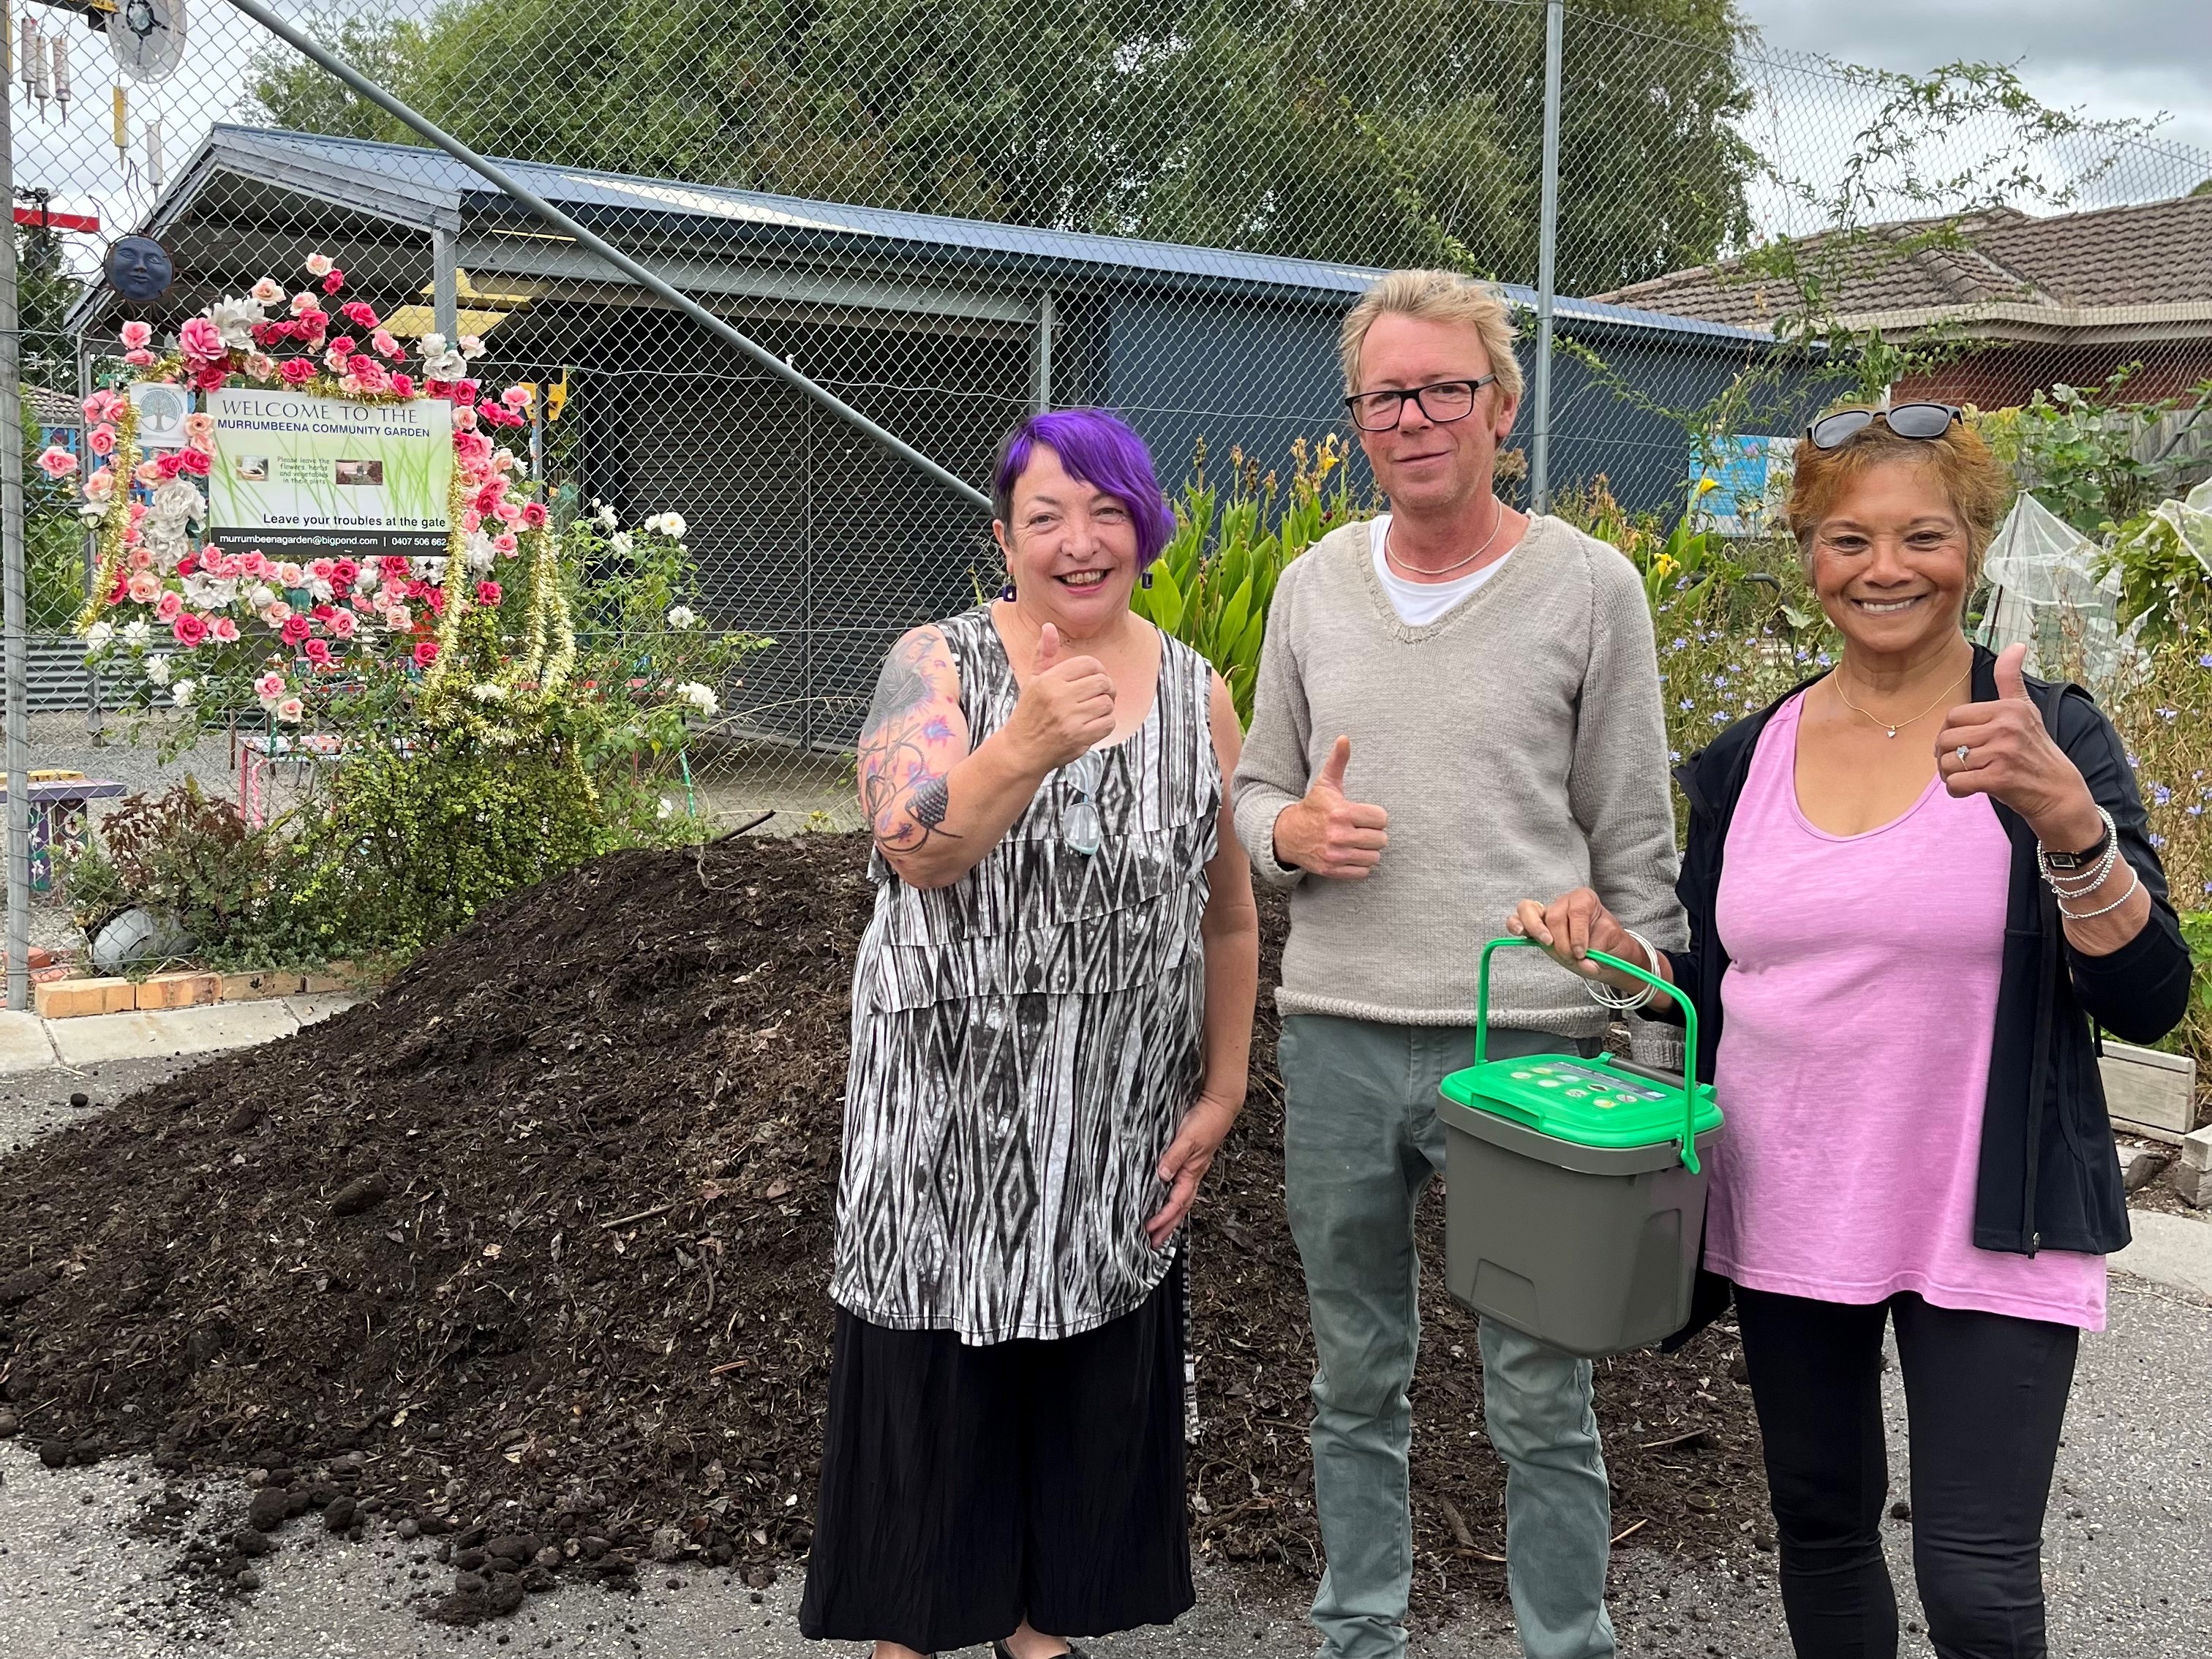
1096 447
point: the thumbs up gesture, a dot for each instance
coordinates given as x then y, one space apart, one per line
2003 750
1065 708
1328 833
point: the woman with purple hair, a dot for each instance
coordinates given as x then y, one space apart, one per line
1051 1012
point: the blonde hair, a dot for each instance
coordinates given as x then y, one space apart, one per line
1976 481
1436 297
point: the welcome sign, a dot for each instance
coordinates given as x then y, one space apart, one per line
300 477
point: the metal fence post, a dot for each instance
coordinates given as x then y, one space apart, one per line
11 572
593 242
1548 239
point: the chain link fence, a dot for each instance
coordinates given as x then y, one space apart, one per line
944 215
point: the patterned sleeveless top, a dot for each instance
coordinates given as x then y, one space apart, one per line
1026 1041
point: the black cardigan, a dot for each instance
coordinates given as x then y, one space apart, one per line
2050 1176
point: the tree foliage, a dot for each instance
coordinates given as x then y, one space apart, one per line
1409 131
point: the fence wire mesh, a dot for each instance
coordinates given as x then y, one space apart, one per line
949 214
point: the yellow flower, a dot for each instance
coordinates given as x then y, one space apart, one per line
1667 564
1705 487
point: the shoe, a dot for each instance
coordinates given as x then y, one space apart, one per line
1001 1650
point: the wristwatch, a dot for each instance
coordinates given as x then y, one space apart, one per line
2081 860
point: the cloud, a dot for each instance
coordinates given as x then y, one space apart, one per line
2117 57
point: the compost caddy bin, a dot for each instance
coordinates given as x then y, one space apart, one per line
1574 1192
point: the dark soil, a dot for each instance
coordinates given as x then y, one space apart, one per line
531 1250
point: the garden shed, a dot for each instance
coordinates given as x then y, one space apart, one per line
943 330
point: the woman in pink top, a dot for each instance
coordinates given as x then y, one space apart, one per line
1911 885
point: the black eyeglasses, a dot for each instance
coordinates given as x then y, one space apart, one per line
1923 421
1442 402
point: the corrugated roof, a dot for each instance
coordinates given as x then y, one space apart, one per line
393 177
2085 265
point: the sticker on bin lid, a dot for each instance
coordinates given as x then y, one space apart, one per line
1587 1102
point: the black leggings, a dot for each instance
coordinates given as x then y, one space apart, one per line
1986 1395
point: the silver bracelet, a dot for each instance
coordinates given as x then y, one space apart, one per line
2077 884
1606 997
2134 881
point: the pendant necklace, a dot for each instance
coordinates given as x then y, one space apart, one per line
1888 729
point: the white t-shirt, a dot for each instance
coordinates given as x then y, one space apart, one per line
1420 603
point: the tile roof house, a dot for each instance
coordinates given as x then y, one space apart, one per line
2067 298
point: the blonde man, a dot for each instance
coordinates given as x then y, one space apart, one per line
1457 704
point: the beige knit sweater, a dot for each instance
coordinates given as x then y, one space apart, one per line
1517 744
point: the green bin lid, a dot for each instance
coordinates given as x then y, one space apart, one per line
1590 1103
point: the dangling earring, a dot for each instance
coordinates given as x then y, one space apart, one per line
1007 591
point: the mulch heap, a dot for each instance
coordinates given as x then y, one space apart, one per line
529 1253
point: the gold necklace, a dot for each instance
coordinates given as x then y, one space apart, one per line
1837 679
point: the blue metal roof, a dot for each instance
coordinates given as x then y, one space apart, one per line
430 187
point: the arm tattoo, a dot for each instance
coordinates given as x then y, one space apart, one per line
902 788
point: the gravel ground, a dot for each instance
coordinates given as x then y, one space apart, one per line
2128 1557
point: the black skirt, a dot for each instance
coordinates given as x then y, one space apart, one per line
965 1489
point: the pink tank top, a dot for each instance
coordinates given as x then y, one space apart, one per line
1860 1000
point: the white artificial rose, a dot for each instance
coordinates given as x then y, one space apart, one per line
181 693
682 617
135 633
98 637
157 669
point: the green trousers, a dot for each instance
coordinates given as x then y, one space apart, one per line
1362 1141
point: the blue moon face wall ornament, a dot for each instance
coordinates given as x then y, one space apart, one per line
139 269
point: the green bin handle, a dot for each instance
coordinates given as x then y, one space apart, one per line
1689 1021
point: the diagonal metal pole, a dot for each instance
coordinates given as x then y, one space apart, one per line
11 573
1547 241
614 256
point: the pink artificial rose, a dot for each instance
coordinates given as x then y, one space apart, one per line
303 302
102 439
270 684
277 613
465 392
55 462
383 345
472 520
289 573
318 650
226 631
359 314
334 282
188 564
320 264
100 406
198 425
100 485
398 618
267 292
509 514
426 653
141 559
171 605
516 397
370 374
505 544
139 357
201 341
312 324
252 566
335 360
296 371
213 378
137 335
194 461
291 710
534 515
465 420
320 569
403 384
343 572
342 625
144 587
346 343
487 594
189 630
260 365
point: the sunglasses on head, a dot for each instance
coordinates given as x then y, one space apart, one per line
1923 421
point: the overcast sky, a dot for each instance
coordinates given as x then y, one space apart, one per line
2135 57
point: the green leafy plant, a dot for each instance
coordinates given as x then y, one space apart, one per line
1216 578
190 859
2081 452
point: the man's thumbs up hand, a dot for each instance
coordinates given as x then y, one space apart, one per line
1328 833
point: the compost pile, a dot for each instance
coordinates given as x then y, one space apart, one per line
530 1254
